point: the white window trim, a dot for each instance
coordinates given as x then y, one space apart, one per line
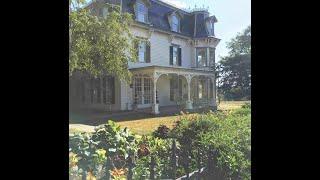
145 14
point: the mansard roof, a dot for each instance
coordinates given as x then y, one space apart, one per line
158 12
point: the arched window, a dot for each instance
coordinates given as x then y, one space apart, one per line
175 23
141 12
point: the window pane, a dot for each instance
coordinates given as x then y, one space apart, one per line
141 12
175 55
175 23
137 90
212 54
142 51
147 91
201 57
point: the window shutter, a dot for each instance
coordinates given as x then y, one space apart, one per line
148 57
171 55
136 46
179 56
113 90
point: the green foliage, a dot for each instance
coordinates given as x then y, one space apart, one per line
241 44
234 71
232 140
161 132
158 148
116 141
100 45
246 105
229 133
108 141
85 153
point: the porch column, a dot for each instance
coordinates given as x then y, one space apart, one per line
213 100
189 102
155 106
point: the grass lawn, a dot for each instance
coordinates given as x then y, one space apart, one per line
148 125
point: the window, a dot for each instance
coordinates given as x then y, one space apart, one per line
175 23
147 94
202 89
143 93
210 28
137 90
144 51
175 55
142 12
102 90
175 89
211 57
201 57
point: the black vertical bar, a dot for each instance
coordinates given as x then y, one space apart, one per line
108 168
84 175
152 168
199 163
130 166
173 160
171 55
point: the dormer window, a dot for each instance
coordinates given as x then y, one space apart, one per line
210 28
210 25
141 12
175 23
174 19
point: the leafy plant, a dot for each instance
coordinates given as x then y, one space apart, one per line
161 132
84 153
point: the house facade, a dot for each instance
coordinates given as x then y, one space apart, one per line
176 58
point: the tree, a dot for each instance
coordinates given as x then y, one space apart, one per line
100 45
234 70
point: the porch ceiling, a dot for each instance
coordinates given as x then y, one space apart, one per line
171 70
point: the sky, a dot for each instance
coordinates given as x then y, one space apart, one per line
233 17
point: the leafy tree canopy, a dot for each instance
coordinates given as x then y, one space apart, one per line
100 45
234 70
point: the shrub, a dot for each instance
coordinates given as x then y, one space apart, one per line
246 105
229 133
161 132
157 148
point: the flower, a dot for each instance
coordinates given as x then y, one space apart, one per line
118 172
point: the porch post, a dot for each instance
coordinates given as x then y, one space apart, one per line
189 102
155 106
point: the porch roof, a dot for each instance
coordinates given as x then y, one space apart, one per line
173 69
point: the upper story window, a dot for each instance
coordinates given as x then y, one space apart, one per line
143 51
175 55
210 25
210 28
175 24
141 12
205 57
201 57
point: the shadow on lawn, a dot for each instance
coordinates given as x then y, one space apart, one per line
95 117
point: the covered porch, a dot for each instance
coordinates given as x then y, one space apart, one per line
187 88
